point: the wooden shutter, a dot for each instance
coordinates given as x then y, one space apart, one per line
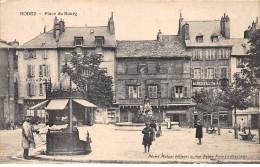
215 73
173 92
202 73
28 89
34 54
40 70
28 71
158 69
159 93
47 70
126 92
200 54
192 73
185 92
188 92
206 73
207 54
33 89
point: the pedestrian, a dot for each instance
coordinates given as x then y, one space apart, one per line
199 134
27 137
12 125
154 129
242 125
147 140
159 133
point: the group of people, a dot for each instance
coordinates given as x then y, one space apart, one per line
150 133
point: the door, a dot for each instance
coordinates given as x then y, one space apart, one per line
123 116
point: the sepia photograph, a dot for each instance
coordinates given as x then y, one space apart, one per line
129 82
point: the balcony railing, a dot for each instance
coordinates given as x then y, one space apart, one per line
163 101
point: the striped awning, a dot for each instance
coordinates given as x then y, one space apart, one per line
38 105
57 104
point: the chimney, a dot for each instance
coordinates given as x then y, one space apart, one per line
111 25
159 36
256 19
62 26
181 21
58 28
225 26
44 30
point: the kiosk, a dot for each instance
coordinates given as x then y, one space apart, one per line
66 108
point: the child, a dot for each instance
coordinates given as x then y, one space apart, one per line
199 134
147 140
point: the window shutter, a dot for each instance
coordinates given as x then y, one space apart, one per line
33 69
28 71
185 93
146 69
139 92
219 53
227 72
173 92
200 54
28 89
126 92
213 53
34 89
159 93
192 73
206 73
201 73
207 54
40 70
34 54
158 68
216 73
47 70
188 92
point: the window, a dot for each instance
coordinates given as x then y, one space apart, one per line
199 38
223 53
44 70
152 91
78 41
197 73
41 113
30 71
132 67
223 72
31 89
41 89
44 54
67 56
30 112
99 41
214 37
29 54
210 73
134 92
152 68
197 54
240 62
210 54
180 92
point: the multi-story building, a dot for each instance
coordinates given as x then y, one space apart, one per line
41 59
209 42
158 69
8 91
239 52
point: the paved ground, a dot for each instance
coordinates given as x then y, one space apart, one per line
123 145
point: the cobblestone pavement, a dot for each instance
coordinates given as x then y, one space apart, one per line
124 145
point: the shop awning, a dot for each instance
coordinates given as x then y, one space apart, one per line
176 112
84 103
57 104
38 105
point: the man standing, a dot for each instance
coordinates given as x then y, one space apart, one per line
242 125
27 137
154 129
199 134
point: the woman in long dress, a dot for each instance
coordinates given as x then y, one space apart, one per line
147 138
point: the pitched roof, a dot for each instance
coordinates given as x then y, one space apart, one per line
240 46
46 40
4 45
207 29
171 46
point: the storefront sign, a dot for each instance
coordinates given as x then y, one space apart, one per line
204 83
41 79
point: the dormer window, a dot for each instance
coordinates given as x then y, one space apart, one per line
99 41
214 38
78 41
199 38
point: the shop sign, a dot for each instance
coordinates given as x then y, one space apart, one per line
204 83
41 79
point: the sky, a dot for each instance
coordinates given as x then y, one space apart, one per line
134 20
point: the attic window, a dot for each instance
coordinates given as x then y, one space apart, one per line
78 41
199 38
99 41
214 38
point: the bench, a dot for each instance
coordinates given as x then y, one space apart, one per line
211 131
247 136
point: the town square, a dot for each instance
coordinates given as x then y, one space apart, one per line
138 83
